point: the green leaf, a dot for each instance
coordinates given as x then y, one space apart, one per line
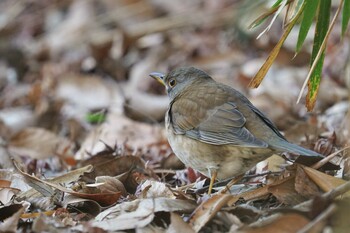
95 118
320 33
308 16
345 17
277 3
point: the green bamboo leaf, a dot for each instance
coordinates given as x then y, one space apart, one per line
322 26
308 16
277 3
345 17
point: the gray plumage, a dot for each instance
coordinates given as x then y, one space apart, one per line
215 123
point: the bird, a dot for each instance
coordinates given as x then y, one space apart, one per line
215 129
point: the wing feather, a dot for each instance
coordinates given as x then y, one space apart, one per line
220 125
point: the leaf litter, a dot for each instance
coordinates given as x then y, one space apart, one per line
64 171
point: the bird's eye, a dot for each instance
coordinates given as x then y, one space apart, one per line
172 82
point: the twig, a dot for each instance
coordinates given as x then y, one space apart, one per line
341 189
328 158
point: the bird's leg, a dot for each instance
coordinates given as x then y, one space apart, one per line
213 175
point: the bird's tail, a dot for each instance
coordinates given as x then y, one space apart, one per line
308 157
295 149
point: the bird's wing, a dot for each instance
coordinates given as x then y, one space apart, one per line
217 123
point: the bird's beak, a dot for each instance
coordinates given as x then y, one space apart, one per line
158 76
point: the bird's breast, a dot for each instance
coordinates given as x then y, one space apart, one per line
227 160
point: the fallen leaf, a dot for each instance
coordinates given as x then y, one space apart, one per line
324 181
9 217
287 223
39 143
177 224
340 219
49 189
7 192
303 185
154 189
107 164
138 213
63 179
87 206
284 191
128 169
120 129
250 195
207 210
110 185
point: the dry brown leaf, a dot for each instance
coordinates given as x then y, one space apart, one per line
178 225
303 185
251 195
107 164
104 199
39 143
284 191
128 169
49 189
340 219
87 206
287 223
245 213
324 181
119 129
110 185
207 210
63 179
5 183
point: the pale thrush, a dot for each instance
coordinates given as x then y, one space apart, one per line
215 129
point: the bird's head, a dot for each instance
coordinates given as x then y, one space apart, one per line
178 80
